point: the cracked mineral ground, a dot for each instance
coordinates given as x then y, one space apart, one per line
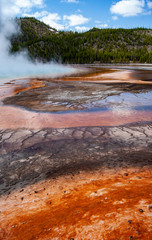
76 155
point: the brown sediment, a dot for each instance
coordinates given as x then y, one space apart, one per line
14 118
112 76
12 88
94 205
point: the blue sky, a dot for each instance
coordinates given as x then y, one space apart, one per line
81 15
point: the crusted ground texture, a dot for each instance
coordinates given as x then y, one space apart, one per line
85 174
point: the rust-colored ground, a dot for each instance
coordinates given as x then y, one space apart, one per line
97 205
11 89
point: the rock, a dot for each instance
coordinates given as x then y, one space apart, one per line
141 210
87 135
36 191
129 221
150 207
78 134
96 131
139 177
23 223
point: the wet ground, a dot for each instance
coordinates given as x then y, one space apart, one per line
76 156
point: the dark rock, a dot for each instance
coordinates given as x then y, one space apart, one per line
141 210
23 223
126 174
22 198
36 191
129 221
130 238
150 207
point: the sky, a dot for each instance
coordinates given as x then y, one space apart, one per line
81 15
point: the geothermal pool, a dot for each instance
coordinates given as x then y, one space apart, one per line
99 97
76 154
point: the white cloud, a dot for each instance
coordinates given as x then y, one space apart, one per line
70 1
74 19
81 29
36 14
51 19
114 17
14 7
105 25
29 3
149 4
24 8
128 8
98 22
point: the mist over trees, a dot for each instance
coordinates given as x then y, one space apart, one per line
96 45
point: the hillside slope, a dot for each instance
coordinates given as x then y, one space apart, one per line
97 45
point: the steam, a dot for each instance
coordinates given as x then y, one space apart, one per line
17 66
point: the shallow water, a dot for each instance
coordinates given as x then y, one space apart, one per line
32 70
105 96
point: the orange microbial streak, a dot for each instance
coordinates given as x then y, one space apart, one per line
87 206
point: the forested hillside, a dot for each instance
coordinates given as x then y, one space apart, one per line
97 45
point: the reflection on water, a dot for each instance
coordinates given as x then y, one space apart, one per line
78 95
81 96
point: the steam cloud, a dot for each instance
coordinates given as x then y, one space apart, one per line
19 66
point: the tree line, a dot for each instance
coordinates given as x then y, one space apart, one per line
96 45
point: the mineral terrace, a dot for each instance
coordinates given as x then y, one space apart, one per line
74 179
